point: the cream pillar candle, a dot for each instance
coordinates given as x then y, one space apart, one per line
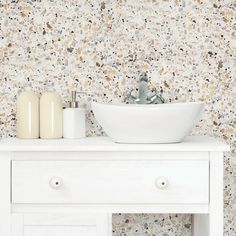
27 115
51 116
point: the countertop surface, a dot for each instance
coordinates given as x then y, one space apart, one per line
191 143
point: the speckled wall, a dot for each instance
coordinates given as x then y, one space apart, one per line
100 47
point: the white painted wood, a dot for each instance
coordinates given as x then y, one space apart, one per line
17 224
212 224
92 224
60 231
109 224
103 223
113 208
66 219
5 194
108 156
216 214
106 182
99 178
192 143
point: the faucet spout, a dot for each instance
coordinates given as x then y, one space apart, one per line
143 88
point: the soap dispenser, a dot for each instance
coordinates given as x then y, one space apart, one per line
74 119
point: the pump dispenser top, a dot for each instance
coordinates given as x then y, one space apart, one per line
73 103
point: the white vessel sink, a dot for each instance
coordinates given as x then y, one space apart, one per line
161 123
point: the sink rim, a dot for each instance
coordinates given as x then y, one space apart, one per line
124 105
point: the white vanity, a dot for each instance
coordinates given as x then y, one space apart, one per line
72 187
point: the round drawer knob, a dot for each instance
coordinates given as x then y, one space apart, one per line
162 183
56 182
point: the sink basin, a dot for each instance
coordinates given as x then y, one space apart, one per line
160 123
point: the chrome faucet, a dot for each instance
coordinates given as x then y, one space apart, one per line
143 97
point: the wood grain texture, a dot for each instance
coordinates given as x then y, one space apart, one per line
111 182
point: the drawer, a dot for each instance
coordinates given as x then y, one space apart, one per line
111 182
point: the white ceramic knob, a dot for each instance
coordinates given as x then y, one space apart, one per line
56 182
162 183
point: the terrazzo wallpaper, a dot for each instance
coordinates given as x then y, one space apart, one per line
100 47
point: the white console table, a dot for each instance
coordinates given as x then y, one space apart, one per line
72 187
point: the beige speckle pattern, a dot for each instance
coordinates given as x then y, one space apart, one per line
100 47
